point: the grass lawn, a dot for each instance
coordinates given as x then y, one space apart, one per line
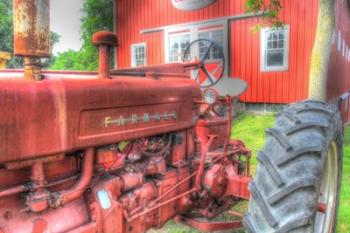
344 208
251 130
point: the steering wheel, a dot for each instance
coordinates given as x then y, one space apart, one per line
208 52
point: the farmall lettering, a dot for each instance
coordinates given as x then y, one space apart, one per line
135 119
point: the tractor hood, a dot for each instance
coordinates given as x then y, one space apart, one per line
61 114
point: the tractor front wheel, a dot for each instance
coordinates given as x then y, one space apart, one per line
297 182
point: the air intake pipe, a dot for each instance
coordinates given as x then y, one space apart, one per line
104 40
32 34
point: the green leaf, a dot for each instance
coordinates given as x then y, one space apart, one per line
272 9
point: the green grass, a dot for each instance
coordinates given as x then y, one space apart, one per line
251 130
344 207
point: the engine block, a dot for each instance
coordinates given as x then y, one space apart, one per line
125 187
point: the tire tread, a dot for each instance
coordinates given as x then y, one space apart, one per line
281 138
278 199
256 193
296 185
271 168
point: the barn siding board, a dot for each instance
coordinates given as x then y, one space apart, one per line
338 77
285 82
300 47
244 45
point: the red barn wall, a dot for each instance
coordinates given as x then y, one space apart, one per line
339 69
338 82
244 45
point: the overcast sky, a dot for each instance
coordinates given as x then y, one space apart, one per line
65 20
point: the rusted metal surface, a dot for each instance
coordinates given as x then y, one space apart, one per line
66 196
74 112
32 34
31 28
120 197
31 162
207 226
40 198
104 41
63 219
32 68
14 190
162 70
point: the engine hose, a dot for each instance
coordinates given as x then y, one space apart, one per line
63 197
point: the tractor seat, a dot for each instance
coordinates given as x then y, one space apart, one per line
233 87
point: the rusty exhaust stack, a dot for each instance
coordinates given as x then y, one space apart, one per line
32 34
104 40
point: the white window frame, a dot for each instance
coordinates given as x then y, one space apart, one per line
194 31
180 32
133 54
263 43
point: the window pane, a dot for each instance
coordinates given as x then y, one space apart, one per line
269 45
281 44
275 50
281 35
275 44
177 46
141 50
216 36
177 43
269 37
203 46
275 36
274 58
184 46
173 48
217 52
204 35
139 55
185 42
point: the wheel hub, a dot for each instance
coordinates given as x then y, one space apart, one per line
328 191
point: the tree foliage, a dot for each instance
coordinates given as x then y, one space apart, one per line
97 15
271 9
68 60
6 33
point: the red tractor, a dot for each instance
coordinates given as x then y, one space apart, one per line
123 151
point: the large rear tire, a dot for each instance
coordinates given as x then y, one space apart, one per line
297 182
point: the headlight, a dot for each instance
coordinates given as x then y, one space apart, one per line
210 96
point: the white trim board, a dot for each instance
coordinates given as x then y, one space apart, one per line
227 18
